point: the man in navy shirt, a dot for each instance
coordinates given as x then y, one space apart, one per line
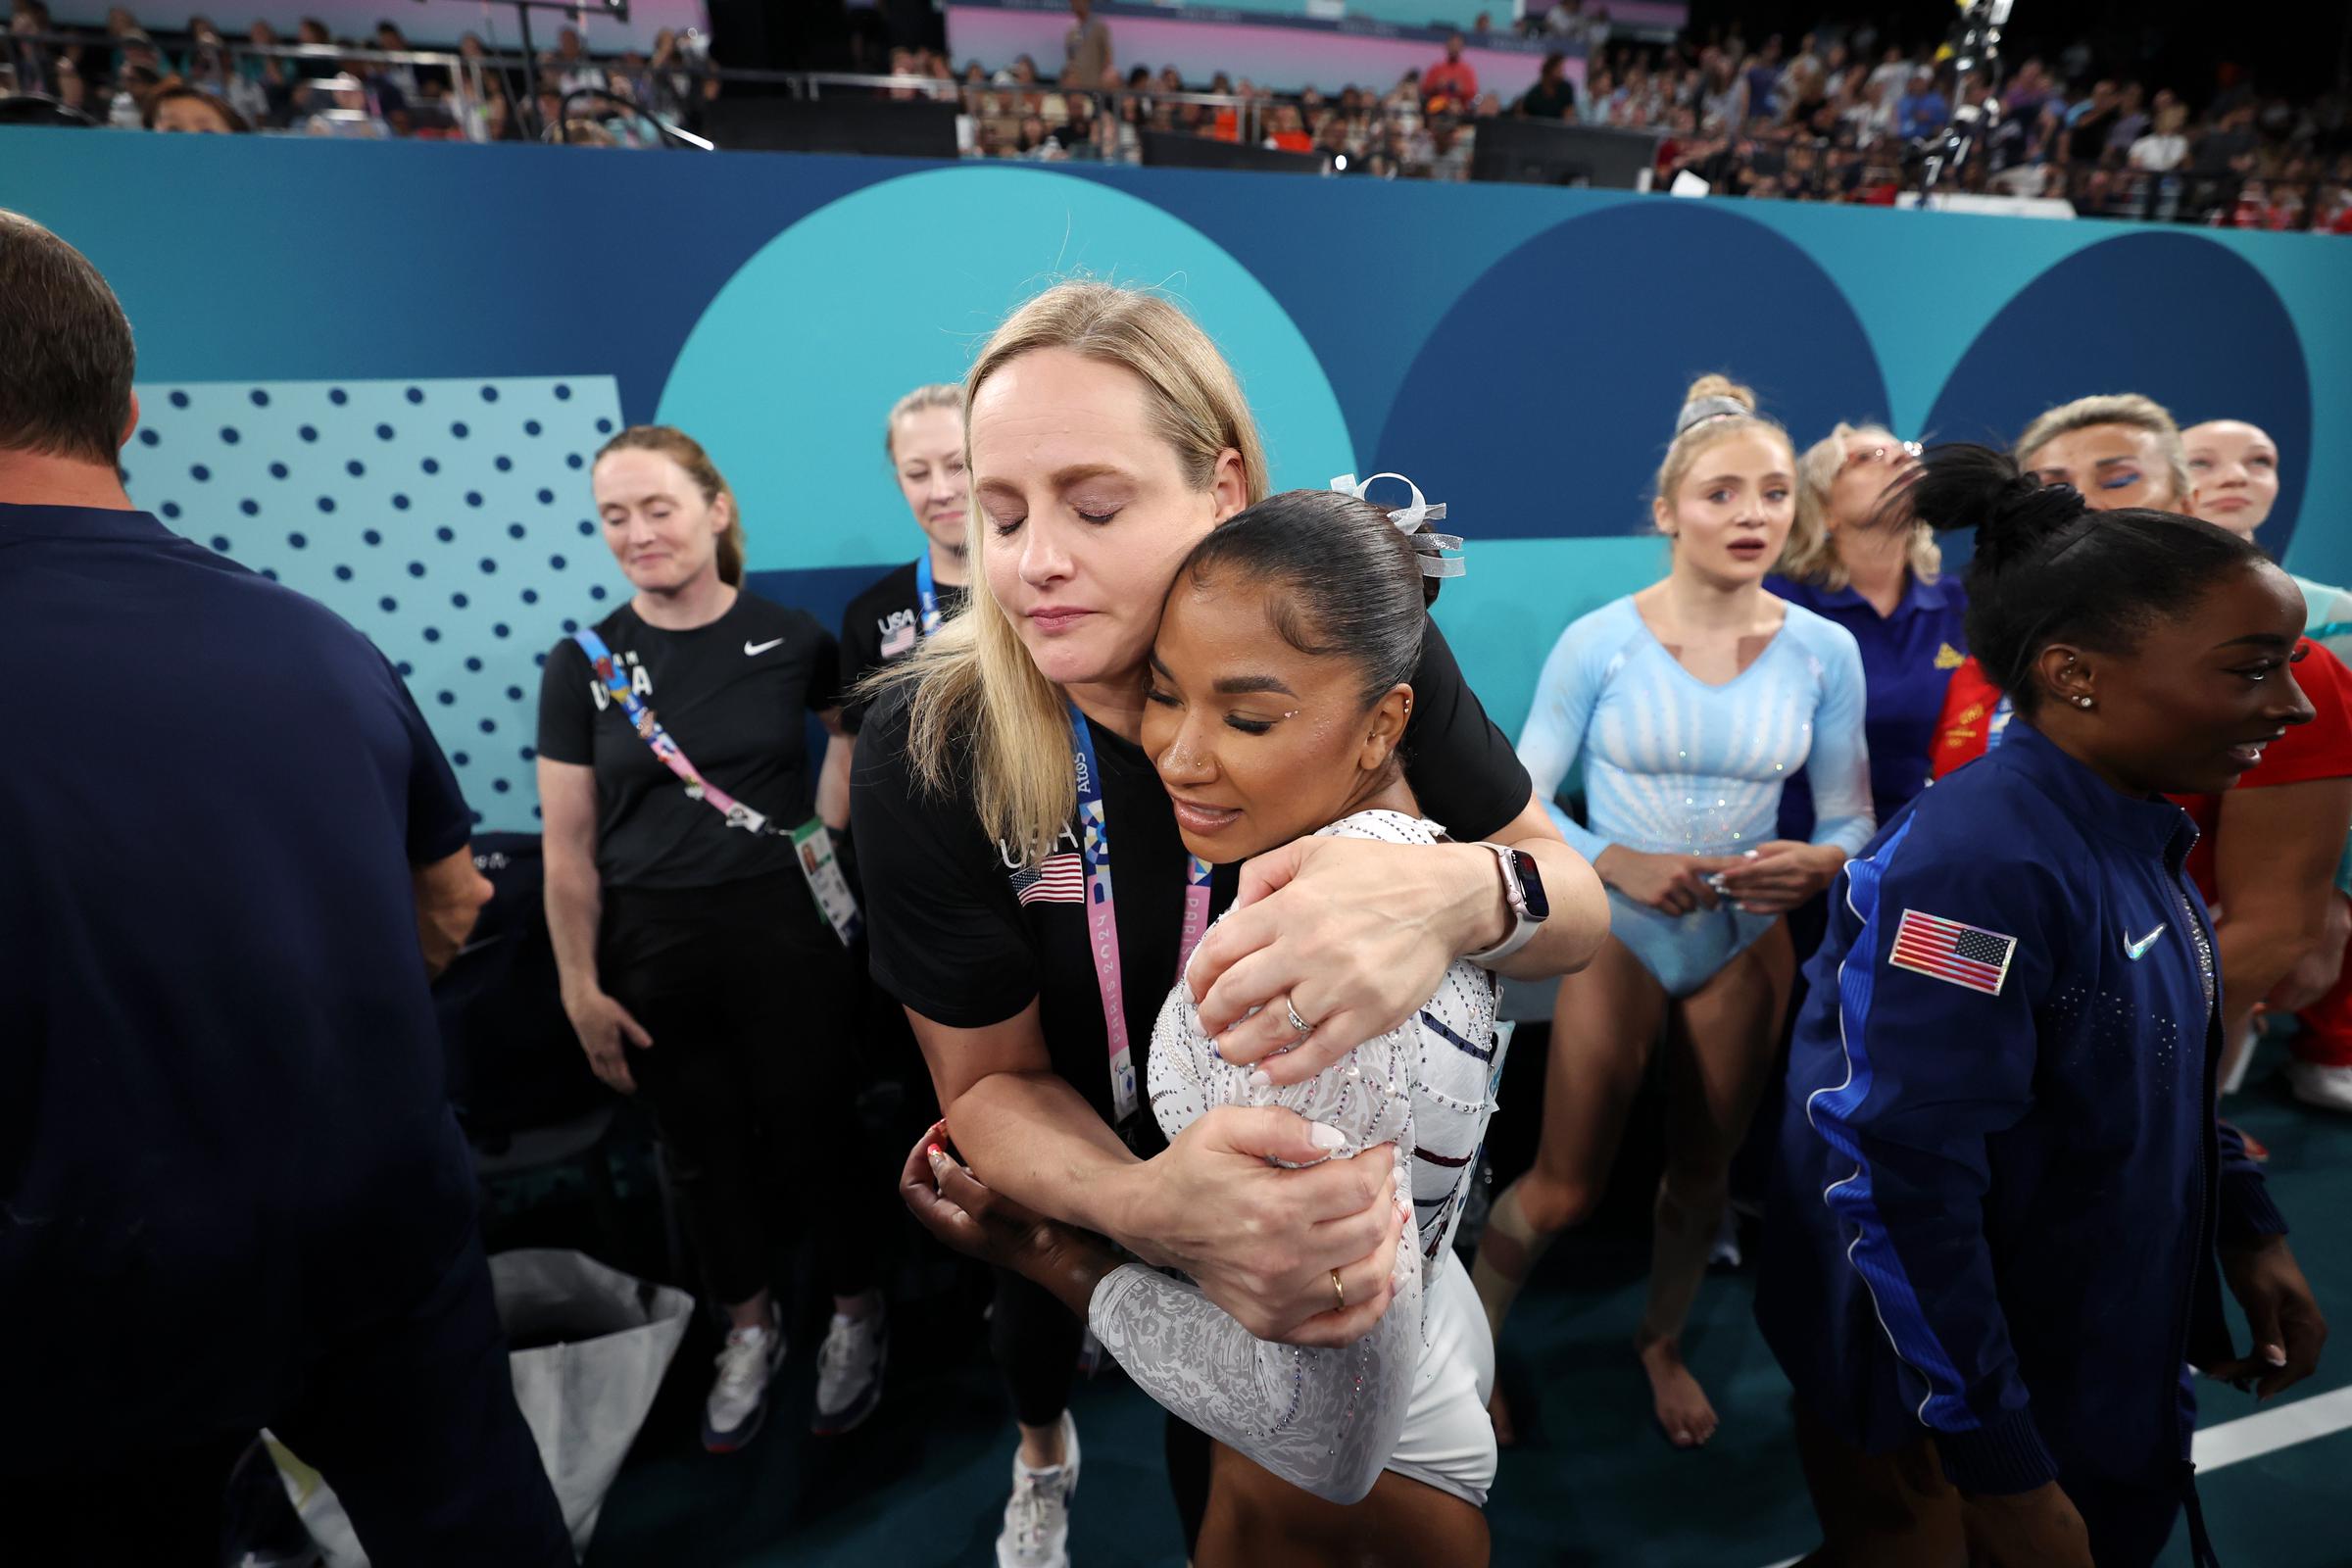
231 1191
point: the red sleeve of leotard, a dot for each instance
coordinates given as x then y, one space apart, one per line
1968 704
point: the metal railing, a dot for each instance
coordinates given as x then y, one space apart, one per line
2216 198
469 76
987 99
692 80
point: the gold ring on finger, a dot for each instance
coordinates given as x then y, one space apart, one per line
1338 1292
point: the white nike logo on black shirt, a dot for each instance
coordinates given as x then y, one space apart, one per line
755 650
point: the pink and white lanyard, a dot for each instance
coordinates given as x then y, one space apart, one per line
649 730
1102 920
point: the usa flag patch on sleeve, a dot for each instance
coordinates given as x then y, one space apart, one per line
1967 955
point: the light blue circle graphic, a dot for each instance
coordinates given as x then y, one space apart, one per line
791 370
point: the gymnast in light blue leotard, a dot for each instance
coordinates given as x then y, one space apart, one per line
1676 766
1689 704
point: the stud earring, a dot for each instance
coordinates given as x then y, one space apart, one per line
2082 702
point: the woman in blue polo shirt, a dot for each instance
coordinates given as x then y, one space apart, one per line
1883 585
2002 1191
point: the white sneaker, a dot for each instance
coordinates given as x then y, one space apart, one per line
1725 1253
738 1400
2317 1084
1037 1520
849 1371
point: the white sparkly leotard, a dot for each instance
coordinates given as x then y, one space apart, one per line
1331 1420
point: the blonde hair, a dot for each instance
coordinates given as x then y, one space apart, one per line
974 685
2113 408
1695 428
935 395
687 453
1810 556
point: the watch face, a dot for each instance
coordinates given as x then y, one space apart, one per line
1530 886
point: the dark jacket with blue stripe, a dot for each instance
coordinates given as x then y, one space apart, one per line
1996 1212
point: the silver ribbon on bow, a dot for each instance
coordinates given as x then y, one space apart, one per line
1409 521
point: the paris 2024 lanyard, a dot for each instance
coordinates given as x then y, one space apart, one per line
811 842
927 593
1101 918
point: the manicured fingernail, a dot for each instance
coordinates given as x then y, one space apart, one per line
1218 1046
1749 855
936 1156
1261 1079
1323 1137
2274 1355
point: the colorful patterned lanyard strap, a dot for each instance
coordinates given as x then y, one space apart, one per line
925 592
649 730
1101 918
818 867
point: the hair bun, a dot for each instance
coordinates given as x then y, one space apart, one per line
2021 516
1714 397
2037 508
1963 486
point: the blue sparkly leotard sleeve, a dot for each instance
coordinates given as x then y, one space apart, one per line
1572 679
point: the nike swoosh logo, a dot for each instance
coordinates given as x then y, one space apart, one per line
2133 950
755 650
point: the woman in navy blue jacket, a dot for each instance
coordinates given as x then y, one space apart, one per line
2002 1191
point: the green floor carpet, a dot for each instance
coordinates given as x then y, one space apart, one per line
1590 1482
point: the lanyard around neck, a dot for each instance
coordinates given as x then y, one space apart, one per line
649 730
926 593
1102 920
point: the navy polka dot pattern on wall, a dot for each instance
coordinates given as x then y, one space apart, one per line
474 670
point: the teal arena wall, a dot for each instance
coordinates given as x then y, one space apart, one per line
1519 351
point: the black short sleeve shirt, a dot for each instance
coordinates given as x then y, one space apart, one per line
967 936
883 623
736 696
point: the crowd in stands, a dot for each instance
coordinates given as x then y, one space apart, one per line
318 84
1844 116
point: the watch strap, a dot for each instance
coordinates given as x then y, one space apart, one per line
1524 925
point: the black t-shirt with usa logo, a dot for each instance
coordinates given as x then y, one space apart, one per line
967 936
736 696
883 623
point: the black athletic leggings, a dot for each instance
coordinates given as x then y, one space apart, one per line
1034 1340
753 1075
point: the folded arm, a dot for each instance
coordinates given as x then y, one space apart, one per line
1261 1240
1326 1420
2274 856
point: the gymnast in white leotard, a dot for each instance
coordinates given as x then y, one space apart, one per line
1689 704
1277 695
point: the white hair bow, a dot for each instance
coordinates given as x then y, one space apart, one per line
1409 521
